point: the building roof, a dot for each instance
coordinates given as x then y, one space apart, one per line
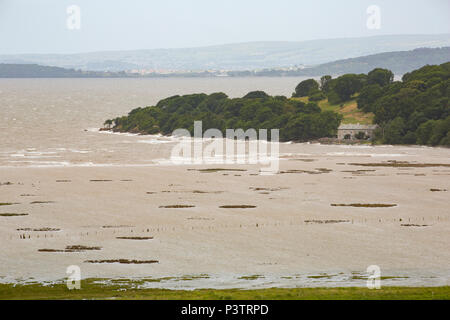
357 127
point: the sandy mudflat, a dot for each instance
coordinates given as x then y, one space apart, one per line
293 237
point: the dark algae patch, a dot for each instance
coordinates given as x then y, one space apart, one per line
135 238
358 171
303 160
200 218
401 164
415 225
116 227
42 202
39 229
326 221
213 170
73 248
365 277
238 207
177 206
82 248
206 192
123 261
365 205
252 277
51 250
267 189
321 276
297 171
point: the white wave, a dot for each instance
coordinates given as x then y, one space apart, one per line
67 164
32 163
79 151
124 134
155 141
354 154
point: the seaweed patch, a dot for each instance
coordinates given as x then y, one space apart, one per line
123 261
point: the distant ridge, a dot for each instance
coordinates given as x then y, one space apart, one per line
399 62
38 71
240 56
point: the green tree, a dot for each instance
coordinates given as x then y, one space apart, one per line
369 94
394 131
316 95
347 85
425 131
381 77
108 123
305 87
325 83
256 95
334 98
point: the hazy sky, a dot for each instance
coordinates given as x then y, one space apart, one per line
40 26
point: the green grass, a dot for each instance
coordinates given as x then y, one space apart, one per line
127 290
349 110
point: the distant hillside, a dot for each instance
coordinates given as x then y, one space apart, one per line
14 70
241 56
37 71
399 63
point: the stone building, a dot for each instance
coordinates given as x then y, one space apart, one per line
356 132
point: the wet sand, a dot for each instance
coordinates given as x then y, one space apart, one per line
78 190
294 236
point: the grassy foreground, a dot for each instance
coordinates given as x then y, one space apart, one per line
90 289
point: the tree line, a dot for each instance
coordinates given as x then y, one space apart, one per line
297 121
412 111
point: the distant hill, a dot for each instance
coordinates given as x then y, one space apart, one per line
17 70
241 56
399 63
38 71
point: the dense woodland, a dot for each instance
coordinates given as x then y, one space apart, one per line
296 120
412 111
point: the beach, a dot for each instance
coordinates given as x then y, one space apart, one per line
294 232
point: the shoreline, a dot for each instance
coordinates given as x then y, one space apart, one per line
354 279
92 289
321 141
